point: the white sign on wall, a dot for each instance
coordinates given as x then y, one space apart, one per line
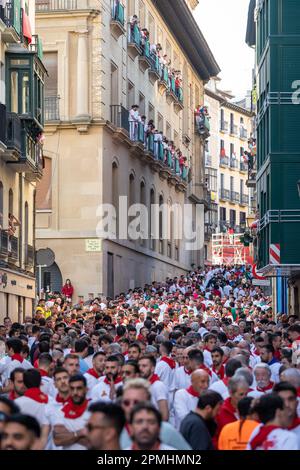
93 245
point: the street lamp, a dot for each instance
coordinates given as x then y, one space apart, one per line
298 186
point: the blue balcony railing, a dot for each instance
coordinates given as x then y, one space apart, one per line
150 143
118 13
141 132
134 36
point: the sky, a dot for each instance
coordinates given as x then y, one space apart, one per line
223 24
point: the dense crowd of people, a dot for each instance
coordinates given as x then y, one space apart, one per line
198 362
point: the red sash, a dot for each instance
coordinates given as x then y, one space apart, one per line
36 394
154 379
192 392
171 363
225 381
93 373
262 435
265 389
117 381
17 357
72 411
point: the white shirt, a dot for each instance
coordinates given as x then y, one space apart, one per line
101 391
184 402
91 382
158 392
50 412
166 374
182 378
7 365
72 425
47 385
278 439
31 407
207 358
221 388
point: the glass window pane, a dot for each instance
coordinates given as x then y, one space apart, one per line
25 94
19 62
14 92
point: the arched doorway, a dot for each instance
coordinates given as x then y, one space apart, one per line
52 278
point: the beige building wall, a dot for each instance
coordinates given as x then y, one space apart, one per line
83 146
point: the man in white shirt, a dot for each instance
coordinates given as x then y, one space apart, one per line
165 367
270 435
267 356
93 375
106 388
133 122
70 421
263 383
34 401
186 399
46 368
14 359
221 386
288 393
159 392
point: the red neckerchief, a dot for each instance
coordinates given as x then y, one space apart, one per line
188 372
295 423
155 447
206 349
17 357
297 339
36 394
12 395
203 367
43 373
93 373
277 355
154 379
125 353
171 363
262 435
220 373
256 352
72 411
117 381
60 399
265 389
192 391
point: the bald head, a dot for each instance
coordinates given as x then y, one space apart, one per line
200 380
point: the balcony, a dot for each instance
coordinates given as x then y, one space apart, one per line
178 105
243 133
224 161
36 46
29 256
163 84
224 126
2 126
233 130
13 137
225 194
11 16
144 59
117 23
155 69
171 91
51 104
243 167
234 197
134 41
119 117
223 226
233 163
202 125
3 244
42 6
13 249
251 181
244 200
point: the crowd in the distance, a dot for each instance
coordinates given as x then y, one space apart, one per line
196 362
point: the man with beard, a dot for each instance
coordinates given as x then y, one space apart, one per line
104 426
218 367
145 422
69 429
33 401
159 392
17 387
107 386
71 363
288 393
92 375
21 432
264 384
198 427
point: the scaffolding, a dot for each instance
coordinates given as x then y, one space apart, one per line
228 249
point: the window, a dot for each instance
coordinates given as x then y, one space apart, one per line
1 205
161 242
50 62
212 178
152 221
114 84
242 219
115 195
232 216
142 109
160 122
232 151
231 183
222 117
151 27
231 123
142 17
2 83
130 94
131 199
222 214
44 187
222 144
176 139
222 180
143 202
176 61
242 151
151 112
168 131
241 187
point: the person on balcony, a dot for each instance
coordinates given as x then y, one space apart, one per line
165 144
142 121
144 38
178 84
133 23
13 223
133 122
158 137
